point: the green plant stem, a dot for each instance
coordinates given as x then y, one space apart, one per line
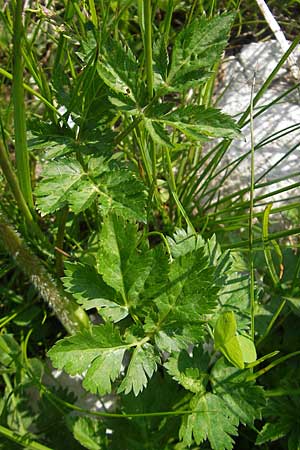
55 400
273 364
31 91
72 316
270 326
22 440
62 220
281 392
148 46
173 189
165 240
251 217
13 182
267 251
168 21
22 159
191 12
277 235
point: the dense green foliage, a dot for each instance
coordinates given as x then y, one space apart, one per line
181 300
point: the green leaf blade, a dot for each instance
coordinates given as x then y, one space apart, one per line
104 370
197 48
119 69
198 122
118 243
75 354
59 178
211 420
123 194
142 365
90 290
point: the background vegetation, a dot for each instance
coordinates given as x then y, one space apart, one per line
113 221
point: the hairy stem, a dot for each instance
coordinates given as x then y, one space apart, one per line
72 316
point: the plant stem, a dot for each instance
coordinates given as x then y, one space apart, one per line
13 182
281 392
267 251
251 216
31 91
72 316
59 261
148 46
22 440
273 364
57 400
173 189
22 160
273 320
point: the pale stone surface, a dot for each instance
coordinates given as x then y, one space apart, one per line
237 75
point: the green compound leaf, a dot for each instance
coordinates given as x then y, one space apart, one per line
273 431
187 295
282 415
183 242
122 193
189 371
100 352
90 290
75 354
118 243
196 49
243 398
119 70
66 182
198 122
161 61
89 432
59 180
104 369
84 282
158 133
233 285
143 364
132 273
214 422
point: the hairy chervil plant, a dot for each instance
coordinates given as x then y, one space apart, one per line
158 313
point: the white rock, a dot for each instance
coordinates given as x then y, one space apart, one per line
235 90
